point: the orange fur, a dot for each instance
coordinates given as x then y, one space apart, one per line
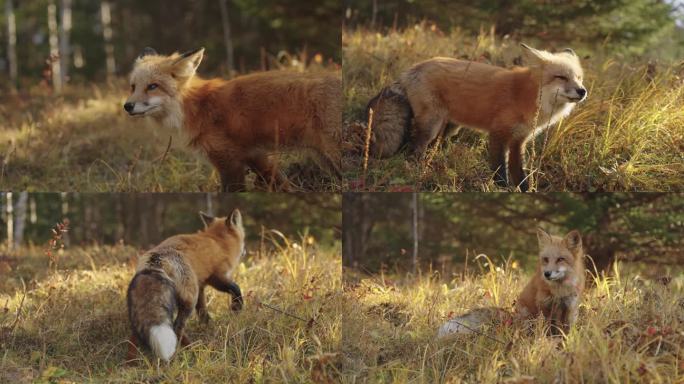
244 122
557 300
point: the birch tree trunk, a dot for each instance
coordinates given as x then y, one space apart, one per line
54 47
20 210
9 219
106 18
11 44
64 33
230 61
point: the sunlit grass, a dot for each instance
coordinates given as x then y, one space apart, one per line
73 323
627 136
629 330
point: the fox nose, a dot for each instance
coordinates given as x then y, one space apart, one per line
581 92
129 107
547 274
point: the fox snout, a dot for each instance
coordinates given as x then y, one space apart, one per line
552 275
128 107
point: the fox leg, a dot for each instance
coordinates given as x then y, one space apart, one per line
132 349
497 158
515 163
201 306
224 284
267 172
231 170
186 300
427 129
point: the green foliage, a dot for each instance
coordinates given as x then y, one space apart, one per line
623 25
452 227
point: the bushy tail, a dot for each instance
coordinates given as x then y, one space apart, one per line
392 116
473 321
151 305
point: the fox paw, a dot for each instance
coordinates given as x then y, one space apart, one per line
236 303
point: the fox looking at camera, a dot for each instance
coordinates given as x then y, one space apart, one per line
554 290
510 104
244 122
171 277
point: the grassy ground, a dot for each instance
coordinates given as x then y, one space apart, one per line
70 324
627 136
83 141
629 330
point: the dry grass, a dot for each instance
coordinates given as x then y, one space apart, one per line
72 323
628 135
629 330
83 141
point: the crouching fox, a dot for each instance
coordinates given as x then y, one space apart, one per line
510 104
244 122
554 291
171 277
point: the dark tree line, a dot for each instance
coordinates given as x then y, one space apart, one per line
646 227
97 39
144 219
629 25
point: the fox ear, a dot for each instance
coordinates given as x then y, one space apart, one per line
235 219
206 218
147 51
534 56
186 65
543 237
570 51
573 240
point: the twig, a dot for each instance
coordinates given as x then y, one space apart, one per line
283 312
162 157
366 148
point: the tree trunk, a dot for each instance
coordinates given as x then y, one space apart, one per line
210 205
106 18
11 44
374 15
9 219
230 61
54 48
64 33
66 239
414 231
20 209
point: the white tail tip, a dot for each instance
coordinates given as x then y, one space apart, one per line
163 341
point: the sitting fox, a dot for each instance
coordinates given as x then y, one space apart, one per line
510 104
554 291
171 277
244 122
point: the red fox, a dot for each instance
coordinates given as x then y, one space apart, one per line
510 104
554 291
241 123
171 277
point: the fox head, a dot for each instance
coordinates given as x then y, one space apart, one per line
561 74
559 256
157 80
226 227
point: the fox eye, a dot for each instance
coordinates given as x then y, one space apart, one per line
560 259
561 77
545 259
132 87
152 86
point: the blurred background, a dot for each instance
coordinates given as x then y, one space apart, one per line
654 27
410 231
98 39
143 220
